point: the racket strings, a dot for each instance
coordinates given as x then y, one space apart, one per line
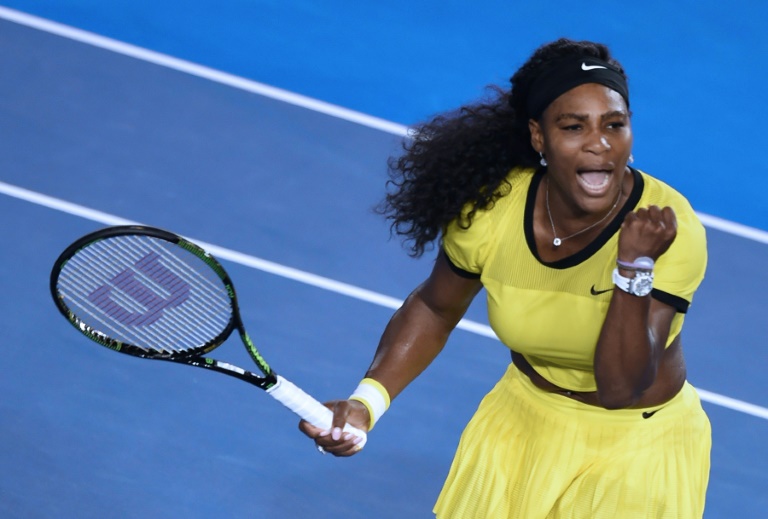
198 330
146 292
210 287
116 325
128 320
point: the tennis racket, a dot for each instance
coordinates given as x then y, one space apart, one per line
152 294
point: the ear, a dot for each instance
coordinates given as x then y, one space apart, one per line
537 135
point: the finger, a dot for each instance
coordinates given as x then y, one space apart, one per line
642 213
629 219
340 415
314 431
654 214
348 447
311 430
351 451
669 217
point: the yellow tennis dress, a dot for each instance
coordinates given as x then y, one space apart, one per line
530 454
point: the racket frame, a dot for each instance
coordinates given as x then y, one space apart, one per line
193 356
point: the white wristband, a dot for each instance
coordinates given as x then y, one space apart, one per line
374 397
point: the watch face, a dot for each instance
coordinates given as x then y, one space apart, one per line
641 284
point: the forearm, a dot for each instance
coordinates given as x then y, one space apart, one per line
636 327
413 338
418 331
628 352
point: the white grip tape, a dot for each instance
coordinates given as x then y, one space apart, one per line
309 409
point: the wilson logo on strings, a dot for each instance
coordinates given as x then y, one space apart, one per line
153 302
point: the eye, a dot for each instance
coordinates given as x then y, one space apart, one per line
572 127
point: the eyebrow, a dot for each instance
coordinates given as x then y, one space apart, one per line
585 117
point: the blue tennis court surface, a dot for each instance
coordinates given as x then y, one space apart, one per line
284 186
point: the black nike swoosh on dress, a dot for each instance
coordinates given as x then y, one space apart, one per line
598 292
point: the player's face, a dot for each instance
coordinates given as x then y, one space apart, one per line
586 138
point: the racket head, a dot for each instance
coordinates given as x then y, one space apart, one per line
145 292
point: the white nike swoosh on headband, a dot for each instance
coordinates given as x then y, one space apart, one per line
584 66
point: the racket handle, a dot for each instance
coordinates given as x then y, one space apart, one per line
309 409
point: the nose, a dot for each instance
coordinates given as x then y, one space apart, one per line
597 143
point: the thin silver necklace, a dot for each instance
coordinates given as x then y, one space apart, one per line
557 241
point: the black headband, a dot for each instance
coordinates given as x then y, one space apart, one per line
566 73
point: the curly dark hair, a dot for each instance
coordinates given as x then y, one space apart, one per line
463 157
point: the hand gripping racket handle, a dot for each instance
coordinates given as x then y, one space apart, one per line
309 409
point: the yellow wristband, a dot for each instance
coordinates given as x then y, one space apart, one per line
374 397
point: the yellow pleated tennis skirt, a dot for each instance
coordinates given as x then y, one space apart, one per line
530 454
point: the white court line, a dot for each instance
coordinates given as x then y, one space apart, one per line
311 279
201 71
732 403
737 229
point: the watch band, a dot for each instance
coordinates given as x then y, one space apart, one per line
641 263
640 285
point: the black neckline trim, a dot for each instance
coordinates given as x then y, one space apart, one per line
596 244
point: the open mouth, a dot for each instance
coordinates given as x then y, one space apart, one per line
594 181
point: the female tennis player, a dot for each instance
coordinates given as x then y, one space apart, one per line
589 266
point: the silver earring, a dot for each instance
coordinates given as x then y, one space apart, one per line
631 159
543 161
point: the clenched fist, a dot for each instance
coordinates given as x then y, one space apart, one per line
647 232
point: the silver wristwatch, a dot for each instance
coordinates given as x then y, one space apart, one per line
640 285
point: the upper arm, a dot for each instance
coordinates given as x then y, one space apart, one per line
660 316
447 293
420 328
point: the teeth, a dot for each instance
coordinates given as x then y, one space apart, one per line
594 179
